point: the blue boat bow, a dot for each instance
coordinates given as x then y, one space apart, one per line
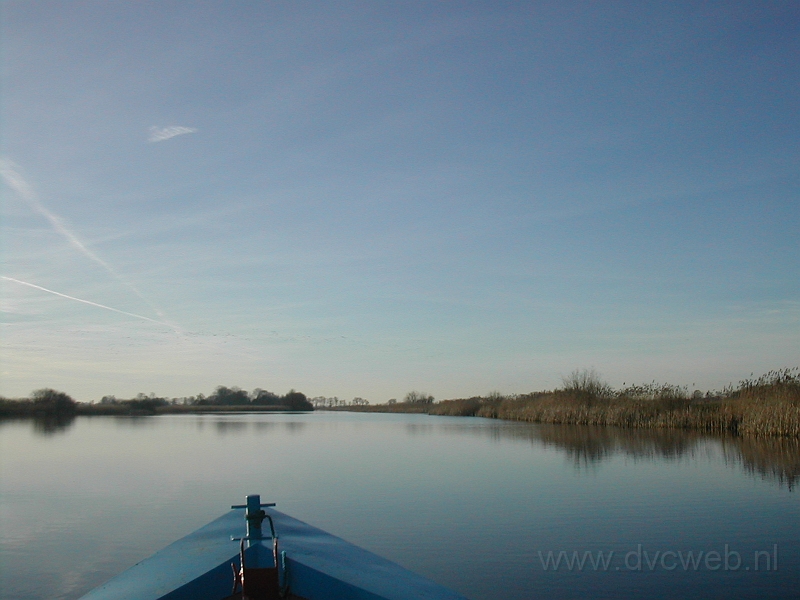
296 560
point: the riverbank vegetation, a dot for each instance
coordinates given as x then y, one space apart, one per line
52 404
765 406
41 403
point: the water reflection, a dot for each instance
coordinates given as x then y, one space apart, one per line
134 421
225 427
586 445
48 425
776 459
264 426
294 427
236 426
422 428
773 459
43 425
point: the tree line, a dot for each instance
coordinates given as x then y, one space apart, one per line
49 402
44 402
221 396
333 402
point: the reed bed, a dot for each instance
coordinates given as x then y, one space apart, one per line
766 406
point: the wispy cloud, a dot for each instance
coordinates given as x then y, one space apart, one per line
89 302
159 134
11 175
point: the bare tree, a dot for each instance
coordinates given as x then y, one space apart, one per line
418 398
587 381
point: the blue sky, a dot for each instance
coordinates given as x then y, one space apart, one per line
365 198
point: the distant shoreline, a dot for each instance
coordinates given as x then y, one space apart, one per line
177 409
24 410
767 406
48 403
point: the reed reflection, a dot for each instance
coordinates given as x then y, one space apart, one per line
771 458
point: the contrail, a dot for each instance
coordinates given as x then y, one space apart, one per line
159 135
90 303
15 181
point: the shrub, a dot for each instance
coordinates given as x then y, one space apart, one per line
297 401
418 398
48 400
587 382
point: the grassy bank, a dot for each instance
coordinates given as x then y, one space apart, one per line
766 406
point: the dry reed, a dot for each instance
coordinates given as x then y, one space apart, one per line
766 406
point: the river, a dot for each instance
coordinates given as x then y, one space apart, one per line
475 504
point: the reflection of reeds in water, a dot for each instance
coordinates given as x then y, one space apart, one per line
771 458
774 459
586 444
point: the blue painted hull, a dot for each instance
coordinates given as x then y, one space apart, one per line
318 566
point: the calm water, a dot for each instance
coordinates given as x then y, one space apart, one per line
474 504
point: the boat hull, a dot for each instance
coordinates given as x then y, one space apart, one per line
318 566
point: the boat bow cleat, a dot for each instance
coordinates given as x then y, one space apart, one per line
258 581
